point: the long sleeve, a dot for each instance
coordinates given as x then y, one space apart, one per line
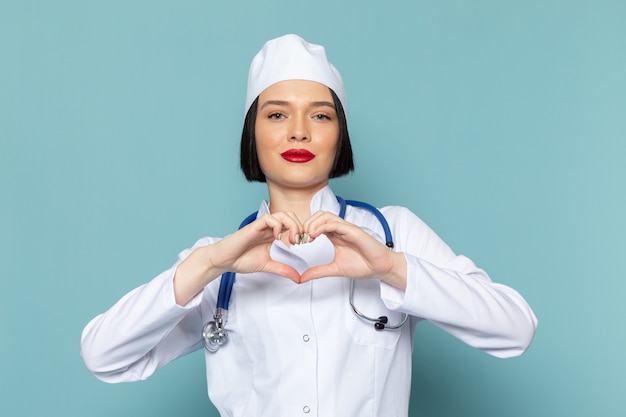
454 294
143 331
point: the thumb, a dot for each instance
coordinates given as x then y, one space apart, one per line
283 270
320 271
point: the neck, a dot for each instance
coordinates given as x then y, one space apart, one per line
297 201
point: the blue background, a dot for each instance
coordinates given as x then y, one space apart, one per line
501 123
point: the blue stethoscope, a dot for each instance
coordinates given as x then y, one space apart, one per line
215 335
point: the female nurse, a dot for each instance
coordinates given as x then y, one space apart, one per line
295 345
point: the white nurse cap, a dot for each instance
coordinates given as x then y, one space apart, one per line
292 58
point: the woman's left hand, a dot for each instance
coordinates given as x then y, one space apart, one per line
357 254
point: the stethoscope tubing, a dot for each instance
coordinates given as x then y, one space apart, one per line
380 322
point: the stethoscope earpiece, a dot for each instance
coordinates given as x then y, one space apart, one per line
380 324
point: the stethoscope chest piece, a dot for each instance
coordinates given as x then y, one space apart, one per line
213 336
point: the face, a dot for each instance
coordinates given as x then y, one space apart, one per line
296 132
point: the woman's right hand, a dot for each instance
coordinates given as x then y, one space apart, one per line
245 251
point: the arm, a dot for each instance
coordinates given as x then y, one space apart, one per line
143 331
161 320
454 294
425 279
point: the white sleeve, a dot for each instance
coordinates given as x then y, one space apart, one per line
454 294
143 331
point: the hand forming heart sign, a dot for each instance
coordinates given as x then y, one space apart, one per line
357 254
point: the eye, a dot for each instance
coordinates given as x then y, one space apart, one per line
321 116
275 116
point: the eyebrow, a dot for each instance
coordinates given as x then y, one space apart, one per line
285 103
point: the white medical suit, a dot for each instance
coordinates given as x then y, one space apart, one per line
300 349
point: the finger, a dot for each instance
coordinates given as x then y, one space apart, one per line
289 222
333 227
278 223
292 215
317 217
312 226
320 271
283 270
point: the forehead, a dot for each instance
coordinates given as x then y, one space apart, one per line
296 90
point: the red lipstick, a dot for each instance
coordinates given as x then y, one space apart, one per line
297 155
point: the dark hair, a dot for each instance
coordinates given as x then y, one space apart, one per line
249 161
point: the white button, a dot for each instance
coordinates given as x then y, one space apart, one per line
306 338
306 409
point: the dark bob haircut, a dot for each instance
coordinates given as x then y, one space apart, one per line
249 161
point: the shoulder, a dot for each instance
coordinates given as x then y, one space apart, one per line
413 235
403 218
399 213
401 221
392 214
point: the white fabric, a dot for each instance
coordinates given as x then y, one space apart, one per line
292 58
294 347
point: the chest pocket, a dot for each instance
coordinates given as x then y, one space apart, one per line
368 302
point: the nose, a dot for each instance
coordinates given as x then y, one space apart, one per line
299 129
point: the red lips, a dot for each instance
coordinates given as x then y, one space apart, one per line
297 155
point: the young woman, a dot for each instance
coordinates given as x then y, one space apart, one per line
310 272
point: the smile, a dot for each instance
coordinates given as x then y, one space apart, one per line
297 155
